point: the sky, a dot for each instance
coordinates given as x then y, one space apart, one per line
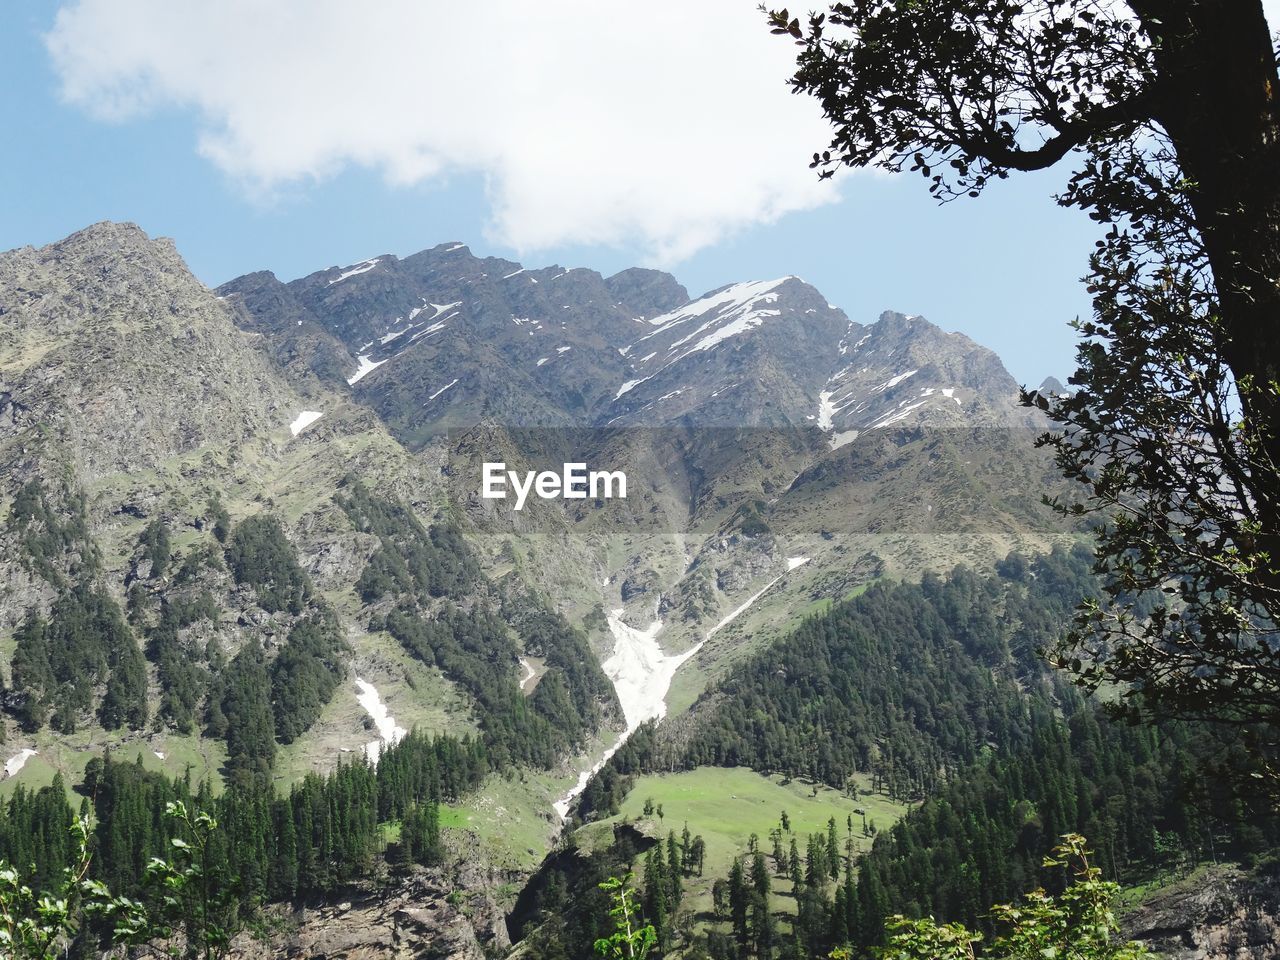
295 135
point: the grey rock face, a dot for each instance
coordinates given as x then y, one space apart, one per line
905 371
414 919
445 339
123 356
1223 915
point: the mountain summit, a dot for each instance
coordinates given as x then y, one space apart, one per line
443 338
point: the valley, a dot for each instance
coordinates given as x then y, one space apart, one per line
249 564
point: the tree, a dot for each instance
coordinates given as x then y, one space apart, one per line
156 547
697 853
1173 428
1080 923
39 926
631 939
43 926
196 915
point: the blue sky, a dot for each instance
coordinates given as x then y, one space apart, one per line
119 128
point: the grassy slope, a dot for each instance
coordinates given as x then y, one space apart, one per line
726 806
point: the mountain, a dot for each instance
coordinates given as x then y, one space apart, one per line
243 530
454 338
182 509
756 422
443 338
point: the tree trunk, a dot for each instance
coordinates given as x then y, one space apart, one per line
1219 93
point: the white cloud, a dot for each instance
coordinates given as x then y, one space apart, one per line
664 124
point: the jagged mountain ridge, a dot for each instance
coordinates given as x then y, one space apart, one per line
770 423
443 338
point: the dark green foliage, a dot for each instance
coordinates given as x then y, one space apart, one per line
201 557
981 839
59 662
605 791
156 547
750 519
411 559
35 832
474 648
562 912
1044 763
420 835
183 680
129 804
305 673
475 651
905 682
125 701
220 519
53 537
576 687
240 712
259 554
323 835
421 767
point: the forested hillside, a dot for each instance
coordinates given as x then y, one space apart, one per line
933 694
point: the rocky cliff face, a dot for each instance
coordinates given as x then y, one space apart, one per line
443 338
124 358
1218 915
426 916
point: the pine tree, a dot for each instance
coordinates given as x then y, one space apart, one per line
656 881
675 870
739 904
833 850
759 874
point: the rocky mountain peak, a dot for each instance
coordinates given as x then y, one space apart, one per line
444 338
905 370
1052 386
654 291
125 356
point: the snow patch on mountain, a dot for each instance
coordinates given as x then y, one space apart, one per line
530 673
305 419
842 438
896 415
363 267
826 410
13 766
723 313
642 673
440 308
629 386
452 383
389 732
366 367
894 381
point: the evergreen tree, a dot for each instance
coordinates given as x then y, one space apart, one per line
833 850
739 897
156 547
